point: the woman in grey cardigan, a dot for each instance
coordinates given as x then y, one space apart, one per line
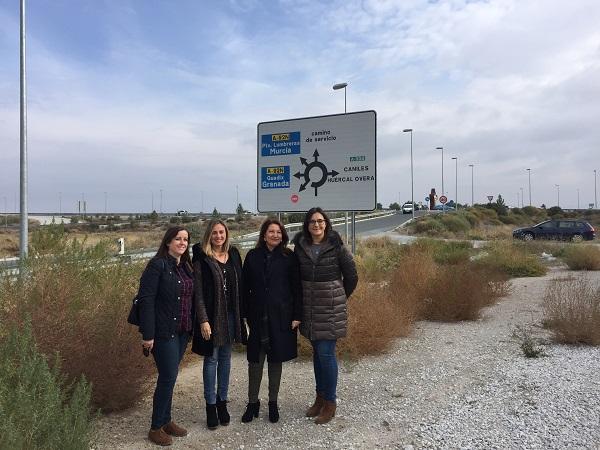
328 277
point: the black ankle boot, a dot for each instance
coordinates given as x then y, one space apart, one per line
273 412
222 412
251 411
212 421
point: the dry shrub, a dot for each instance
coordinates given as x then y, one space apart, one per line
460 292
375 319
78 303
582 257
572 310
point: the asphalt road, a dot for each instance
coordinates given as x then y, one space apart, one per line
376 225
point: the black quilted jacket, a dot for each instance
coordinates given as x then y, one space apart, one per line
328 280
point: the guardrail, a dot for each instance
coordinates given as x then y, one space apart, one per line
245 242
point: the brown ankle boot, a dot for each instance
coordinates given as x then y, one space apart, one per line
160 437
315 409
327 413
175 430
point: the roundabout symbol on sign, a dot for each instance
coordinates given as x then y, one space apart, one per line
306 175
443 199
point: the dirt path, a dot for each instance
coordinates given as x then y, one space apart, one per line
447 386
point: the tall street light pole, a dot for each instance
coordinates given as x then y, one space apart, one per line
529 177
522 198
595 192
337 87
442 149
557 195
472 191
455 158
24 226
412 188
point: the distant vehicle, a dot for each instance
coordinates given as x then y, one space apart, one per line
562 229
441 207
407 208
182 212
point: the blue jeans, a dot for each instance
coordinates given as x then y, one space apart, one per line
167 354
216 368
326 367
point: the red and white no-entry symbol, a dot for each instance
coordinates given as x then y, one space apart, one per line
443 199
294 198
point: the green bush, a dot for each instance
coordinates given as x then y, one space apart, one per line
512 260
455 223
38 410
582 257
508 220
428 225
472 218
446 252
376 256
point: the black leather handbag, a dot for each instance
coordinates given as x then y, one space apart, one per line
134 313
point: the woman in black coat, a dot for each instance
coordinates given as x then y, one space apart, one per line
166 317
273 306
217 300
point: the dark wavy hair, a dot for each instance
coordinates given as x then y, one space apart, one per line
307 217
170 234
263 232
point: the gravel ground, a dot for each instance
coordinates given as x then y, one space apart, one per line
464 385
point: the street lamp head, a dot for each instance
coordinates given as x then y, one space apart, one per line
455 157
406 130
439 148
470 165
339 86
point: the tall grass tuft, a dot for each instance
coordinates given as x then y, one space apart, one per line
38 408
572 310
582 257
78 301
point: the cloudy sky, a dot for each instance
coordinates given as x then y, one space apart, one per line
131 97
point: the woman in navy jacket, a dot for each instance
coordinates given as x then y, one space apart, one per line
166 319
273 307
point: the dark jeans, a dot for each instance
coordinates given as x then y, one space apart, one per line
255 373
167 354
326 367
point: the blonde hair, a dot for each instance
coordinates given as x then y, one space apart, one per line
206 245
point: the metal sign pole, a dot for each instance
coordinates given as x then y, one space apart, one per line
24 227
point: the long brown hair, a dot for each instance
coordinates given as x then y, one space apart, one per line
170 234
206 246
263 232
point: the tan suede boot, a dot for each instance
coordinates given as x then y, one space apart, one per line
327 413
159 437
175 430
315 409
